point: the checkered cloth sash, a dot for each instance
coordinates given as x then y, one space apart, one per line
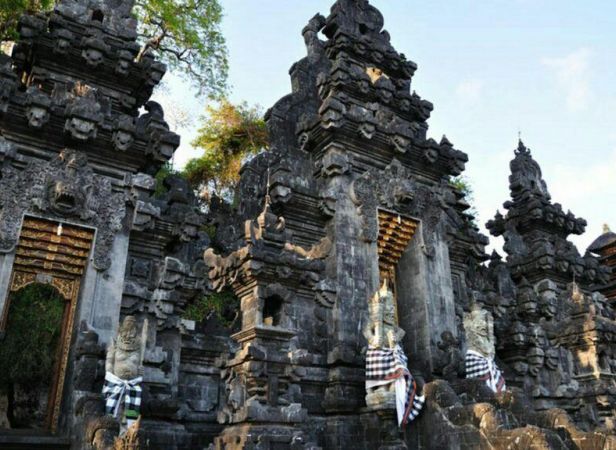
391 365
117 390
478 366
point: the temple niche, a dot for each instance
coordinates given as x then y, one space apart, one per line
348 242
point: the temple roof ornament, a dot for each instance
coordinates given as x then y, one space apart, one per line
607 239
530 206
526 177
536 230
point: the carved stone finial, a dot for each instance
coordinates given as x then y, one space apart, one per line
606 228
522 149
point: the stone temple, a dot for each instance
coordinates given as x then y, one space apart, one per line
352 194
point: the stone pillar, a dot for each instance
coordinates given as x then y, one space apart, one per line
426 305
6 268
101 293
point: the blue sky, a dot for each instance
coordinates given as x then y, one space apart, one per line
491 68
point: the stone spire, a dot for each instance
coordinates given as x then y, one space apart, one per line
534 228
526 178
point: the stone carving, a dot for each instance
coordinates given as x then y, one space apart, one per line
64 188
94 50
364 194
8 84
389 384
352 129
124 370
83 115
335 162
235 394
101 432
395 191
124 133
382 330
125 62
63 41
37 107
124 353
479 327
317 251
162 142
453 361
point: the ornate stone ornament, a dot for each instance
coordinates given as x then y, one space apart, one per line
63 41
94 50
83 115
124 353
479 327
125 61
65 188
124 133
37 107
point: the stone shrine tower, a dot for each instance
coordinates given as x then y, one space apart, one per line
353 195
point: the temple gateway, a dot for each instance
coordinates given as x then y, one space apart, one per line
361 311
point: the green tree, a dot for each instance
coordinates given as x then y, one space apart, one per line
463 185
28 350
229 135
12 10
184 34
224 306
165 171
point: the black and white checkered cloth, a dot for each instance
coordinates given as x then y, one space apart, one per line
390 365
118 391
478 366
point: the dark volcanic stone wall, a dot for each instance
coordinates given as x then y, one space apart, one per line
303 252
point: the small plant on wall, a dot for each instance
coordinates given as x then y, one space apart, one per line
223 306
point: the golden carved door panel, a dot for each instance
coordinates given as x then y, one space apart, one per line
395 234
56 254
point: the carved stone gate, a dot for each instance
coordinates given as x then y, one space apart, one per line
57 254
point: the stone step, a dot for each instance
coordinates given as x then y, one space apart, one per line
23 441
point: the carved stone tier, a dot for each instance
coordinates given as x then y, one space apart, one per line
535 230
554 337
77 153
605 248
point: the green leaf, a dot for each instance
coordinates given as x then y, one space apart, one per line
33 330
229 134
184 34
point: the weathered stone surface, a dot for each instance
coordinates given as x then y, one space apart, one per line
74 149
305 250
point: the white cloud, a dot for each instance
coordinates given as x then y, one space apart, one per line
572 74
588 191
574 183
469 90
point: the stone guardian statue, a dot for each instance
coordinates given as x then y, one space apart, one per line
479 360
388 380
124 373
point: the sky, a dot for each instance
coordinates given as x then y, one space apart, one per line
492 68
